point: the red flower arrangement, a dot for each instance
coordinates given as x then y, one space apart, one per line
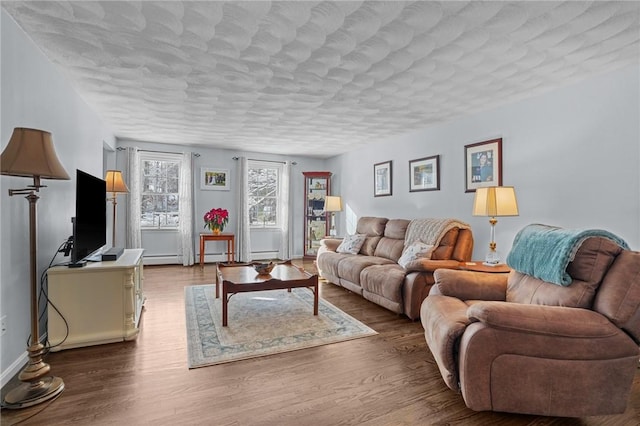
216 219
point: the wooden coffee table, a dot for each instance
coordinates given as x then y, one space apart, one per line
242 278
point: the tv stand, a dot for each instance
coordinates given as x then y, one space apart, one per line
101 302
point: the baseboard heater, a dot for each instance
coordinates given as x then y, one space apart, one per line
112 254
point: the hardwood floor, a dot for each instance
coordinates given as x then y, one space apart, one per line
388 379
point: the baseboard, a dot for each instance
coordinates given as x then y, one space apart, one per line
208 258
15 367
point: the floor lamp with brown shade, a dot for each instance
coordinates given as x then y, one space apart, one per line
30 153
115 185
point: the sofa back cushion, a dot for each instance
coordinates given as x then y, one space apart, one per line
396 228
391 244
618 297
463 249
389 248
445 250
590 264
373 228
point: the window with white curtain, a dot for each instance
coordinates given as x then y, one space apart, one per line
264 179
160 200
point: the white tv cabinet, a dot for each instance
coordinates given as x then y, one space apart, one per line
101 302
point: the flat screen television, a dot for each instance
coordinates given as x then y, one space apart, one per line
90 223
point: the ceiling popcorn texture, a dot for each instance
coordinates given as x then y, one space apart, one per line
318 78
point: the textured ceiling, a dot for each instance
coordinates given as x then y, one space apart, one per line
318 78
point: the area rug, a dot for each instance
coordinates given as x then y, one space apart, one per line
261 323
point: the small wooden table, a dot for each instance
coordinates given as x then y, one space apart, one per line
478 266
242 278
229 238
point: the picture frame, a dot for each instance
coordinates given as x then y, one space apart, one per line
214 179
382 179
424 174
483 164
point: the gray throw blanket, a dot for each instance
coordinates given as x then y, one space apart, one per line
430 231
544 252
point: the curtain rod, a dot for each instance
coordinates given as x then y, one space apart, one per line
266 161
159 152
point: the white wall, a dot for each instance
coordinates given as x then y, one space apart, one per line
572 155
35 94
162 244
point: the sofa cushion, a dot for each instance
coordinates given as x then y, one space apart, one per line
444 251
371 226
382 284
328 263
369 246
591 262
618 297
389 248
350 267
351 244
593 259
413 252
396 228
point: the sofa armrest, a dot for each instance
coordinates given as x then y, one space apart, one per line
428 265
557 321
330 244
467 285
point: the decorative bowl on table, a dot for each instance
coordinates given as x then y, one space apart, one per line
264 268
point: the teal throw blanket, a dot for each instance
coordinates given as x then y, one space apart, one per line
545 251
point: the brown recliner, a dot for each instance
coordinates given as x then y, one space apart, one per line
515 343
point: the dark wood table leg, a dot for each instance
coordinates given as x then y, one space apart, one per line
224 304
201 251
217 283
316 296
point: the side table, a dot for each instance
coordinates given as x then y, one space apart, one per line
231 245
478 266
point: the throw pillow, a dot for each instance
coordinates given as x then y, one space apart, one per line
351 244
413 252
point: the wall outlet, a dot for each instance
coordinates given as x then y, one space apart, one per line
3 325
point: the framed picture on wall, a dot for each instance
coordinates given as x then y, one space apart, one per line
213 179
424 174
483 164
382 185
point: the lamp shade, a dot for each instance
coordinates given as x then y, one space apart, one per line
30 153
495 201
115 183
332 204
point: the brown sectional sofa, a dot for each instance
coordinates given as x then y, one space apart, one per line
374 272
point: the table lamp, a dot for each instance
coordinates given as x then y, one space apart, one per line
495 201
30 153
332 204
115 185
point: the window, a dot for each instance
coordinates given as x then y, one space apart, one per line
160 182
264 191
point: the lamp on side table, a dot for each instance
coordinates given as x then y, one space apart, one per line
332 204
495 201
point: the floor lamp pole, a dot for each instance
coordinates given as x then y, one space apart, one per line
36 388
113 237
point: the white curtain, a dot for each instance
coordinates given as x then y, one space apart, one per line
286 241
133 233
243 241
185 194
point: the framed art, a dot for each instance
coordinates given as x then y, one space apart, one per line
483 164
424 174
214 179
382 185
